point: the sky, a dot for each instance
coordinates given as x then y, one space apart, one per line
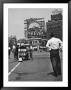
16 17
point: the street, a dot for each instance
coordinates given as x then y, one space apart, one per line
38 69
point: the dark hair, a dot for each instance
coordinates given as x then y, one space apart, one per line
51 35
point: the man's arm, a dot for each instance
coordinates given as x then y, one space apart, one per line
48 46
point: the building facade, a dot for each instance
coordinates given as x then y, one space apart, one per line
35 31
55 26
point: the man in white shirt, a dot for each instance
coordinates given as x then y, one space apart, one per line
14 47
14 50
54 44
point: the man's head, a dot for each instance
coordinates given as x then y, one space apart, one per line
51 35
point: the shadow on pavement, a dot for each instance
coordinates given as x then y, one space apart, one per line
52 73
58 77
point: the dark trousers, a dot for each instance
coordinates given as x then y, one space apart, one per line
55 60
31 54
9 53
16 54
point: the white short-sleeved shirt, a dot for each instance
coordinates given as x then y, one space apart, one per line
31 47
53 43
13 47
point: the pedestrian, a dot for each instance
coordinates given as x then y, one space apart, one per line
15 47
28 53
14 50
31 52
9 51
54 44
